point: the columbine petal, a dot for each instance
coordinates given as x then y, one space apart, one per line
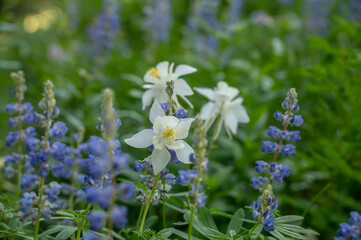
147 98
181 131
142 139
174 145
231 122
160 159
208 110
241 114
156 111
207 92
163 68
184 153
181 87
183 69
161 123
158 142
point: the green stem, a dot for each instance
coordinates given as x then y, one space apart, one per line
148 203
140 215
80 227
315 198
164 221
39 208
254 227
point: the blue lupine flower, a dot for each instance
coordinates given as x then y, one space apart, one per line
44 170
119 215
97 147
138 166
258 183
288 150
268 220
11 138
52 191
351 230
165 106
102 32
296 120
58 150
127 190
11 159
27 201
186 177
58 130
234 11
11 108
30 132
9 171
13 121
27 107
37 118
97 220
269 147
181 113
279 116
28 181
261 166
31 144
158 20
121 161
59 170
27 118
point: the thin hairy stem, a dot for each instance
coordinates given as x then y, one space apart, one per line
140 216
148 203
80 227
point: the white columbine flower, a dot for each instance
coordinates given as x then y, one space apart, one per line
223 103
157 79
167 134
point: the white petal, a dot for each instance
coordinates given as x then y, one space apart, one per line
161 123
181 131
160 159
142 139
208 110
158 142
207 92
181 87
182 70
147 98
241 114
163 68
156 111
184 153
173 145
231 122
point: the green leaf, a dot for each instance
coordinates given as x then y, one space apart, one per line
206 219
257 231
165 232
289 233
66 233
214 234
182 234
50 231
236 222
150 221
277 235
288 219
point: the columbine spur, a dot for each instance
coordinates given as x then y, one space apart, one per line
167 134
156 82
223 102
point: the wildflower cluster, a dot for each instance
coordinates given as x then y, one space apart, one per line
266 203
352 229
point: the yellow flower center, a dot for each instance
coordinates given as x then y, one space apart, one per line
168 133
155 73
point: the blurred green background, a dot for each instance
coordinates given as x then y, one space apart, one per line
261 47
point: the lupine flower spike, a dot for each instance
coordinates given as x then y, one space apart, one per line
266 203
